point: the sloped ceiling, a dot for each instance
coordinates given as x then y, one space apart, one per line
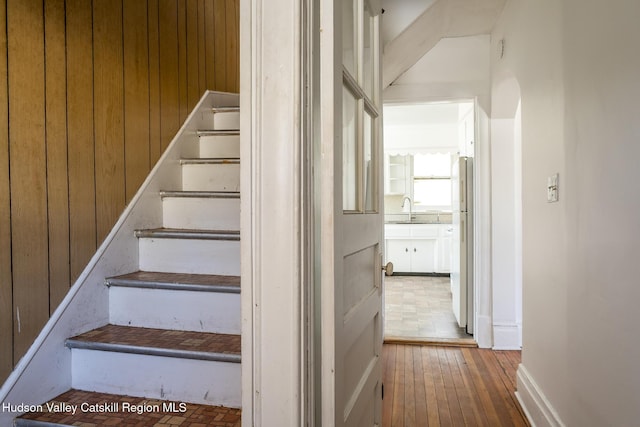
427 41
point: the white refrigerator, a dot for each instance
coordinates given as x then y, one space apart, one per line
462 254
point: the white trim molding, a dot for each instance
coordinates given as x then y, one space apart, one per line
271 202
506 336
484 331
536 406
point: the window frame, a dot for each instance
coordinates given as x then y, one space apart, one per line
365 104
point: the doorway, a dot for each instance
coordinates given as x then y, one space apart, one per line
428 233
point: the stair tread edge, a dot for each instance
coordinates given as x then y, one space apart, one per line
174 281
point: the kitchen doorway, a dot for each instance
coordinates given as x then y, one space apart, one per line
426 148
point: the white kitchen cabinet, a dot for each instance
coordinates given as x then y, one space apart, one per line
419 248
412 248
397 174
398 253
423 255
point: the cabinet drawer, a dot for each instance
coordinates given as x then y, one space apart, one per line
397 231
424 231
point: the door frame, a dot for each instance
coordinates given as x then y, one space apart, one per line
279 120
275 216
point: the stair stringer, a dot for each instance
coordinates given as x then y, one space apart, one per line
45 370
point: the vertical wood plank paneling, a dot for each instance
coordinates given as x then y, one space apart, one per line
169 92
108 113
56 126
25 22
155 140
193 90
220 41
6 291
210 44
92 93
182 59
136 94
82 201
202 51
232 35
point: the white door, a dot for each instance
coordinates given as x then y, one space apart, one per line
350 209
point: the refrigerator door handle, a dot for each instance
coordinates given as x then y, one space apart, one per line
462 230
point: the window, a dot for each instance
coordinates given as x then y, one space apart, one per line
432 181
360 107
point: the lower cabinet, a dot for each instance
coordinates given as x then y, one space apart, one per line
412 255
418 248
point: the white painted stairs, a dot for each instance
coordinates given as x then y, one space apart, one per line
174 325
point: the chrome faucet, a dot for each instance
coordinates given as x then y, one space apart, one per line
410 206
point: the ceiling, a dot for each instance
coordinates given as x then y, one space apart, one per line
461 59
398 14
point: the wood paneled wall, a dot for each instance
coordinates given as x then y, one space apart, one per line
91 93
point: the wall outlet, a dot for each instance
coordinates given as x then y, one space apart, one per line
552 188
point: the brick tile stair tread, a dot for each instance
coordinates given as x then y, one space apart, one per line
202 280
205 342
194 416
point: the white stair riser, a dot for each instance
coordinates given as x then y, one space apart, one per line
211 177
201 213
225 120
190 256
175 310
167 378
220 146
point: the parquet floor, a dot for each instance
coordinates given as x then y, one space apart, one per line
449 386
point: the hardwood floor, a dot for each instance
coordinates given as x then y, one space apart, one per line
447 386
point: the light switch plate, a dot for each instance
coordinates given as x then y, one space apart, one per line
552 188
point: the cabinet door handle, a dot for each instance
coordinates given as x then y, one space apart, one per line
414 249
406 249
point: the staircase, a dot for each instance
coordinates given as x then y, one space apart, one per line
172 340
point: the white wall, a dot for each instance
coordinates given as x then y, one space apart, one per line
456 68
577 66
505 172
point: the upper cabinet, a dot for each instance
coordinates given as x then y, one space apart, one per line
397 174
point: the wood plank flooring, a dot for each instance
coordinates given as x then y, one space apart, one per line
448 386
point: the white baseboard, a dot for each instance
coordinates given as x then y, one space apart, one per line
507 336
483 333
536 407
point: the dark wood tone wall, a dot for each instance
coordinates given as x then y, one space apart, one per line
91 93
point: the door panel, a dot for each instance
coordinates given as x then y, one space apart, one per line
359 280
350 213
